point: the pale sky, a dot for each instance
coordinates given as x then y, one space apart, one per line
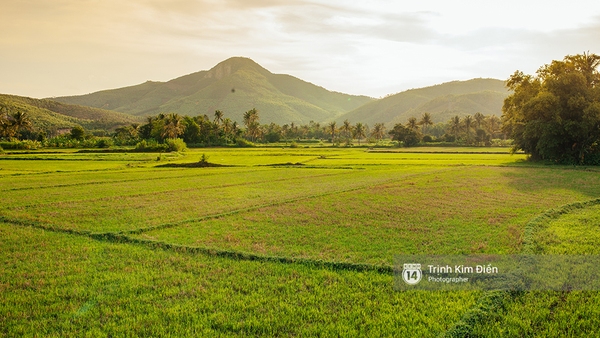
71 47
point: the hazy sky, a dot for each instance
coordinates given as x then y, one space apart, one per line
67 47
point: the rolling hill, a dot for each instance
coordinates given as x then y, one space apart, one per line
50 115
441 101
233 86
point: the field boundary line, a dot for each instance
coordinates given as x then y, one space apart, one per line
491 301
228 254
245 256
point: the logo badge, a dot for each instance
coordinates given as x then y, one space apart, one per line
411 274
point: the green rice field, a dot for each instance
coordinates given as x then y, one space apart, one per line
282 242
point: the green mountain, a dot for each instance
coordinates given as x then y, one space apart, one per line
51 115
233 86
441 101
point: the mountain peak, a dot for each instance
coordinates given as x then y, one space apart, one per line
232 65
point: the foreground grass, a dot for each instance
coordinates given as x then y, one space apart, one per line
552 313
63 285
337 205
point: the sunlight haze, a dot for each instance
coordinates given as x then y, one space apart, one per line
69 47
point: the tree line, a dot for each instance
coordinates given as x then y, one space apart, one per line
219 130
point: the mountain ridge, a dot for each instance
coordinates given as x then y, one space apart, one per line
233 86
442 101
239 84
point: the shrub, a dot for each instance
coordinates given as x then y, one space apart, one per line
150 146
240 142
294 144
175 144
428 139
104 142
20 145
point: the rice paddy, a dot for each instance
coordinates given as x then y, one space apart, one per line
277 242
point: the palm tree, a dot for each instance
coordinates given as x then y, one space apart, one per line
347 128
14 124
173 126
218 117
480 119
378 131
227 124
493 124
426 121
412 123
251 123
332 128
359 131
468 121
455 126
250 116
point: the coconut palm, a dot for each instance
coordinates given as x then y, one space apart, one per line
493 124
218 117
426 121
332 129
359 131
455 126
412 123
468 122
378 131
173 126
479 119
347 128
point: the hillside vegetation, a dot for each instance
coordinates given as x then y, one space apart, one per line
50 115
233 86
441 101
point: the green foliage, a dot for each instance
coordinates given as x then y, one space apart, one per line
176 144
409 137
555 115
77 133
49 116
242 143
21 145
150 146
104 142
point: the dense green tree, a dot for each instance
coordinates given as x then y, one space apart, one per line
77 133
555 115
408 136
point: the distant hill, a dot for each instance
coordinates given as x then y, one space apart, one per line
233 86
441 101
51 115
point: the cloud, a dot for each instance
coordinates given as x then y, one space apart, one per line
376 47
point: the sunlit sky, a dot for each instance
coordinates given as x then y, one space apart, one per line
68 47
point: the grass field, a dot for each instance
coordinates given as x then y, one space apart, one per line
280 241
